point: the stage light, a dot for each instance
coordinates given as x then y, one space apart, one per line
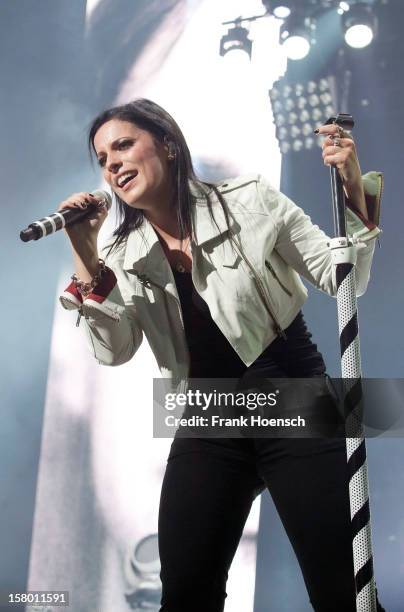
275 93
298 109
299 89
292 118
304 116
281 9
236 38
359 25
287 90
311 86
359 36
323 84
317 114
281 12
280 120
296 35
325 97
343 6
296 46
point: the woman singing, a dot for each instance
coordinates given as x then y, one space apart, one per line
210 273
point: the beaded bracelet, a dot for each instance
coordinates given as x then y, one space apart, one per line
86 288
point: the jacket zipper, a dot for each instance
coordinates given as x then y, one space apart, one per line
261 290
379 197
379 194
145 281
270 268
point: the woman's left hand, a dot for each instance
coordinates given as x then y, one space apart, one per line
339 150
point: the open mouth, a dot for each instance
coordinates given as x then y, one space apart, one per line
126 178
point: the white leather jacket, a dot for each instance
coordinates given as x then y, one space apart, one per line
251 282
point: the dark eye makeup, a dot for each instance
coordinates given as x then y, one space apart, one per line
126 142
122 144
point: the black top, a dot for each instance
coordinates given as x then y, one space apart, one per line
213 356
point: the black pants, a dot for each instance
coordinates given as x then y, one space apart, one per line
210 484
208 489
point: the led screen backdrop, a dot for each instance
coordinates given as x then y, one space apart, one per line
100 469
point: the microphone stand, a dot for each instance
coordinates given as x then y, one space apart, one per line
344 259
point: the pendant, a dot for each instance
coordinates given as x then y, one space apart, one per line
180 268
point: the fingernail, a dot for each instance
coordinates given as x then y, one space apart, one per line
316 131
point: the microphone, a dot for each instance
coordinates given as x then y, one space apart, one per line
63 218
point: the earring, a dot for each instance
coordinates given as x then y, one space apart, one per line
172 153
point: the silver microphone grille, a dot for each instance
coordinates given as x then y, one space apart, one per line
103 196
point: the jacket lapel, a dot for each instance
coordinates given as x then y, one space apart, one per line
145 257
205 228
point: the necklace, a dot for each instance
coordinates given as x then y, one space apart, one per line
178 265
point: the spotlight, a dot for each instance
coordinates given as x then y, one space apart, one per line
323 85
236 38
314 100
316 114
296 36
299 89
287 90
343 6
298 108
281 9
325 97
359 25
280 120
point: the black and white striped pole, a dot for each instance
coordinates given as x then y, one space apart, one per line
344 259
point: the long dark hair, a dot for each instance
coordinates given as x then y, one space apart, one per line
149 116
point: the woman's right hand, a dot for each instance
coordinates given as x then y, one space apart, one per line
85 231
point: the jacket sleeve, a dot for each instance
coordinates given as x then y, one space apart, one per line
305 247
112 328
